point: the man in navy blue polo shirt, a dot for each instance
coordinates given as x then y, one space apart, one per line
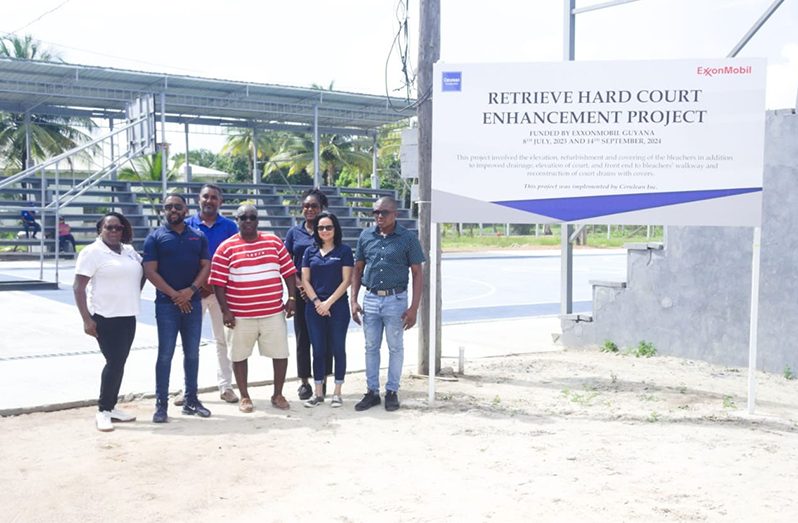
176 262
217 229
382 258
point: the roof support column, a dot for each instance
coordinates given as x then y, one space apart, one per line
255 177
316 170
28 161
113 152
375 180
188 163
163 144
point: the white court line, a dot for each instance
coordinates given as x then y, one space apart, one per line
491 290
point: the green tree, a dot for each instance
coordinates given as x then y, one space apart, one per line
202 157
239 144
148 169
335 152
49 135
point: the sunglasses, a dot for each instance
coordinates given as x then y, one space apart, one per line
310 205
248 218
325 228
382 212
174 206
113 228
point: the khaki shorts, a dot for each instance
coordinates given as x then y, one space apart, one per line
270 333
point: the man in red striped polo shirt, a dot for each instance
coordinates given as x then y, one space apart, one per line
247 274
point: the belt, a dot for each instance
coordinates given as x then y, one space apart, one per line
387 292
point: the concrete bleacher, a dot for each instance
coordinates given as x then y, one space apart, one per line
278 206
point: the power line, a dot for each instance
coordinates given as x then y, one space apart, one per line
56 45
56 8
401 42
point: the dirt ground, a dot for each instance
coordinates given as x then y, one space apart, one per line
560 436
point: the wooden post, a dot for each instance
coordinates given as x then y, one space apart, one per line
429 50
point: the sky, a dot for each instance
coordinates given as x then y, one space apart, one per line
348 42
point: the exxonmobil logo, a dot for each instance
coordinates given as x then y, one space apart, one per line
727 69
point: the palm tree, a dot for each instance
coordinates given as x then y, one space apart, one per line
26 48
239 143
335 152
148 169
49 135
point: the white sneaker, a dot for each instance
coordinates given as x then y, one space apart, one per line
337 401
104 421
121 415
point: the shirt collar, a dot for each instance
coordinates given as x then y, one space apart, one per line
398 230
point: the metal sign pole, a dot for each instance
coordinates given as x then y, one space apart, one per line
752 339
433 310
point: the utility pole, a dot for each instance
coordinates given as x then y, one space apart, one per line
429 51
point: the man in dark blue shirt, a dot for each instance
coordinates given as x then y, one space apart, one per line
382 258
176 262
217 229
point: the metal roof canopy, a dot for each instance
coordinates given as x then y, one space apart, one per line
62 89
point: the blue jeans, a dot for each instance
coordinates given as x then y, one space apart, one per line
171 322
328 337
384 313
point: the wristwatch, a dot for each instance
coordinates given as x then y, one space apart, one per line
291 298
315 299
194 288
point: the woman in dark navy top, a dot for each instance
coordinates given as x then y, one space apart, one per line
326 274
299 238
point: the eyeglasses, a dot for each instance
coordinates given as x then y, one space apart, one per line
382 212
248 218
310 205
113 228
325 228
174 206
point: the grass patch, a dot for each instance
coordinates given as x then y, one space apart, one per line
493 236
644 349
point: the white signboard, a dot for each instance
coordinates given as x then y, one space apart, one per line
648 142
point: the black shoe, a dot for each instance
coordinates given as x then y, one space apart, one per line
370 399
193 406
391 401
305 391
160 415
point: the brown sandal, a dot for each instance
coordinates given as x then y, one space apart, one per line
280 402
246 406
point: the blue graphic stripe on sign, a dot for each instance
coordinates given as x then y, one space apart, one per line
580 208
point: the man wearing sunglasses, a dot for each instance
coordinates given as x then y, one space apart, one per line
247 275
382 258
176 262
217 229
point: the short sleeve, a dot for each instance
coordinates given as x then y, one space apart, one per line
151 248
87 262
306 259
347 259
287 267
289 240
360 254
220 271
415 255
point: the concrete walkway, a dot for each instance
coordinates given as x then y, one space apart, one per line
46 361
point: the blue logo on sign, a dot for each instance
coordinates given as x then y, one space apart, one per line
452 81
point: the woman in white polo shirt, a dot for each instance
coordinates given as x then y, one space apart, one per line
108 282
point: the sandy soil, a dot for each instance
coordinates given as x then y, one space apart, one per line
560 436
